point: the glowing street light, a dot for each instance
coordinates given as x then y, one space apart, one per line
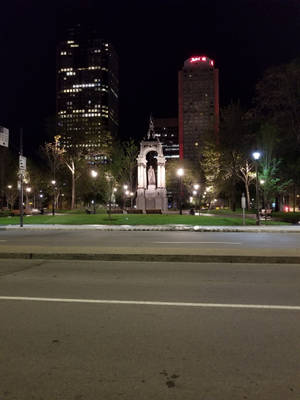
53 182
94 173
180 173
256 156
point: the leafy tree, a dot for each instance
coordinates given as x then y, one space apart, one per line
54 156
8 170
269 165
235 142
209 162
278 99
128 157
247 175
189 178
278 103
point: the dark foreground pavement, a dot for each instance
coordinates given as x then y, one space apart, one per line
212 331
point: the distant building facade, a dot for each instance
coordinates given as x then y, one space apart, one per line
87 91
198 105
166 129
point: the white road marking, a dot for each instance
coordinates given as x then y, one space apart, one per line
199 242
152 303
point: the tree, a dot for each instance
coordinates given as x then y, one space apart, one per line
278 99
189 178
54 156
269 165
278 103
75 162
11 194
129 164
209 162
235 142
247 175
8 171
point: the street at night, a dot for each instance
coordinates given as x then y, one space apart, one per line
157 242
148 330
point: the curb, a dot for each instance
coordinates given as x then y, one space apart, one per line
156 258
164 228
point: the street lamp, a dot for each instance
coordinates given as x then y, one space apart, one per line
126 192
8 187
94 206
256 156
131 199
180 173
53 182
196 186
94 173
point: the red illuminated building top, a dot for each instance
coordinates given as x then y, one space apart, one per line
201 59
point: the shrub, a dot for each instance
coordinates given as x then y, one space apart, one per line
5 213
290 217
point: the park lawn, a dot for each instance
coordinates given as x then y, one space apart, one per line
130 219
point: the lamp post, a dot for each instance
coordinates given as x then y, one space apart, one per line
196 187
53 182
180 173
126 191
94 174
8 187
256 156
28 190
131 199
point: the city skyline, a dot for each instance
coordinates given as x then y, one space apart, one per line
152 42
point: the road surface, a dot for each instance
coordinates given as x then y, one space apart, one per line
151 242
74 330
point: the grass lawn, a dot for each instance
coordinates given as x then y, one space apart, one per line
131 219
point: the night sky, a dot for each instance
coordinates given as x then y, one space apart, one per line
152 40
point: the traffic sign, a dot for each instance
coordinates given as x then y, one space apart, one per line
4 136
22 163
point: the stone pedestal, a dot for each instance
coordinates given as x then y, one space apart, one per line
152 199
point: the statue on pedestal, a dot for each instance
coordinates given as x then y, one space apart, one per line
151 191
151 176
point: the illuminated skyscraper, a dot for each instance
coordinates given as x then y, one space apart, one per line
166 129
87 92
198 100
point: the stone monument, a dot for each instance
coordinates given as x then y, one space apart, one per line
151 191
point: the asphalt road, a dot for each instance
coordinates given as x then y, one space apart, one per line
153 242
143 331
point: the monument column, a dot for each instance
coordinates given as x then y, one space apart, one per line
154 195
